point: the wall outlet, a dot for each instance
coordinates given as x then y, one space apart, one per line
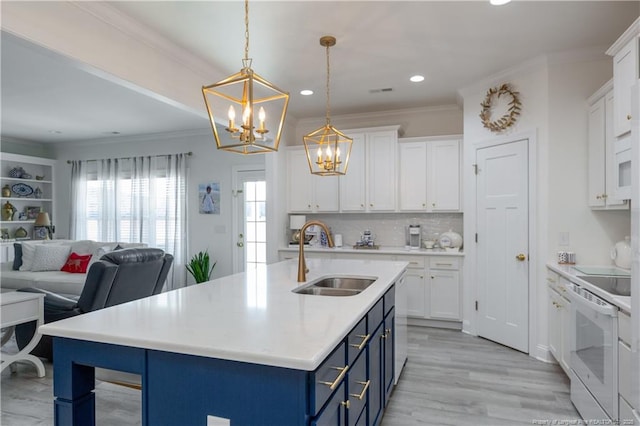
563 238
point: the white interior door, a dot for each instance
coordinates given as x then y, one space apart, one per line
250 220
502 203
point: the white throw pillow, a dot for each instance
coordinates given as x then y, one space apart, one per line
49 257
83 246
28 251
98 253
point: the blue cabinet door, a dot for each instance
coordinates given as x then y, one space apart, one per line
334 413
389 356
376 366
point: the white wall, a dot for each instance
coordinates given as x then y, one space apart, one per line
207 164
553 94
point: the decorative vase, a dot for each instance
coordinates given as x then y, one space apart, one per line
6 191
7 211
38 192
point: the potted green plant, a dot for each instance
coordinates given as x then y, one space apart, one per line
198 266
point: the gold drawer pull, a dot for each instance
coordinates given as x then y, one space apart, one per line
362 344
444 264
364 389
551 280
336 382
346 404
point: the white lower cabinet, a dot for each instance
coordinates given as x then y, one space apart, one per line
433 283
444 289
434 287
559 318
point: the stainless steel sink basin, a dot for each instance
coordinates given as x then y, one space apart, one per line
618 286
326 291
336 286
345 283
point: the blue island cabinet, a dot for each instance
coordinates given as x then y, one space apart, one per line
350 387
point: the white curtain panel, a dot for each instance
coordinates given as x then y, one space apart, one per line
135 200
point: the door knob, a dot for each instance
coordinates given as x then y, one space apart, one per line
521 257
240 244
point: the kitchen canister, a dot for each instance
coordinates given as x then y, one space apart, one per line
621 253
562 257
337 240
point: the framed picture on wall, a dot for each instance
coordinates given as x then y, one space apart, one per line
209 198
32 212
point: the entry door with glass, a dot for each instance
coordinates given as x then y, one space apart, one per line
250 220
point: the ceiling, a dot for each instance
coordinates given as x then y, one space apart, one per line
380 44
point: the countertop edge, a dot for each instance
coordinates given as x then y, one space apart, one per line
381 250
568 272
66 329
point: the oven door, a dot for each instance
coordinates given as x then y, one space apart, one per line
594 348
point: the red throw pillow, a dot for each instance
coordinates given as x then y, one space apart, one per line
77 263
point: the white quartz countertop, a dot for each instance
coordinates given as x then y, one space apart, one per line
381 250
570 273
250 317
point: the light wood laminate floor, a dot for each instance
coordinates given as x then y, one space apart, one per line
450 379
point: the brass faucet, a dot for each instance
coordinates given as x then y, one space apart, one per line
302 265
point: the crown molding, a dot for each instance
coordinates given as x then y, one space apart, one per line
136 138
135 29
384 114
626 37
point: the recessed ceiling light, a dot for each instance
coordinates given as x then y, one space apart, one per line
306 92
499 2
55 132
417 78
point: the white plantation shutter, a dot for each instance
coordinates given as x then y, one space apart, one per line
133 200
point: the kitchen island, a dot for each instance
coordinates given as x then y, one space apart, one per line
243 348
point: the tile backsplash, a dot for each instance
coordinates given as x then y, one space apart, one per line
389 228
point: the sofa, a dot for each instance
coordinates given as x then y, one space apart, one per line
58 266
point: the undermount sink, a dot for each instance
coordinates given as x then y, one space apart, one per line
336 286
618 286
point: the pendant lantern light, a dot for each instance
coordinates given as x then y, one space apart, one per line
327 148
246 93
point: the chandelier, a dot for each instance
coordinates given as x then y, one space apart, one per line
244 93
327 148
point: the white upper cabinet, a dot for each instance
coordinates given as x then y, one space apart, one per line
352 185
626 71
429 176
370 182
308 193
413 176
602 168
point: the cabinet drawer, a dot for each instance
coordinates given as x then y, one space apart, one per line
444 263
375 315
389 299
328 377
624 327
358 388
357 340
624 367
415 262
